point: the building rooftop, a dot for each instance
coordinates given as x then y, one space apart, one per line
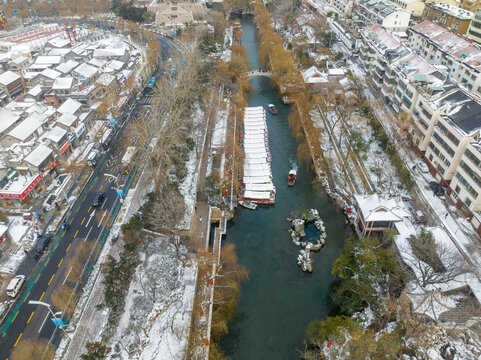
67 119
70 106
105 79
48 60
56 134
27 127
462 111
35 91
39 155
383 39
452 10
50 73
62 83
19 59
7 119
58 42
109 52
66 67
8 77
86 71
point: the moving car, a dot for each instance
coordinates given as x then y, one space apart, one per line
14 286
98 199
42 244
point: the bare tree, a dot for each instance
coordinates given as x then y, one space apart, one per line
63 298
33 349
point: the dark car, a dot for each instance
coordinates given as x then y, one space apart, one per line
42 244
437 188
98 199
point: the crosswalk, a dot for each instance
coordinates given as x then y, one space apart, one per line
146 100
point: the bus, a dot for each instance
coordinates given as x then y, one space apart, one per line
150 84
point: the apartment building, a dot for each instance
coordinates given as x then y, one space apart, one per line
414 6
466 183
448 16
342 7
441 47
474 30
381 12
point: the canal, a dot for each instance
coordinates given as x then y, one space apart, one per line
279 300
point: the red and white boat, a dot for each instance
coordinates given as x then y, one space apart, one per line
291 179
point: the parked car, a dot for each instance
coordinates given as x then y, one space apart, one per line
14 286
437 188
98 199
423 167
42 244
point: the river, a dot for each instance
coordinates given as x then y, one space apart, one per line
279 300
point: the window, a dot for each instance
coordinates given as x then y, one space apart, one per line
468 201
457 189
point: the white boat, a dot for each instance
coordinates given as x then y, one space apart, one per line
248 205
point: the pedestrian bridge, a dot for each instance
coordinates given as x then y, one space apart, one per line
254 73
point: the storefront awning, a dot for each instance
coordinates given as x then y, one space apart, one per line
21 194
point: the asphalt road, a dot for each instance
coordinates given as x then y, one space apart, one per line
88 227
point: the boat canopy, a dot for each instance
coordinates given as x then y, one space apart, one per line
259 195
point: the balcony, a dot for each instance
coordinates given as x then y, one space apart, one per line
406 102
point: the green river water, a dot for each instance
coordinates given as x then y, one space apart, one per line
279 300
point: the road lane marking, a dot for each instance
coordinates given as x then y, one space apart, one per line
51 279
16 342
89 209
60 263
56 247
15 317
85 239
26 297
116 161
65 280
68 247
101 187
41 297
91 216
37 278
82 222
30 318
43 323
47 261
75 234
105 202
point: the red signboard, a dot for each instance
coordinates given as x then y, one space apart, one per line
25 192
65 147
50 166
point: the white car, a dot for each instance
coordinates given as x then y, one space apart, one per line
15 285
423 167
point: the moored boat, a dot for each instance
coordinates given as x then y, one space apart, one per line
291 179
248 205
272 109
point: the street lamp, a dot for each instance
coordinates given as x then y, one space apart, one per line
120 192
48 306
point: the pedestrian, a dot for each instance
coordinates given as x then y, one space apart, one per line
446 215
200 218
195 207
434 193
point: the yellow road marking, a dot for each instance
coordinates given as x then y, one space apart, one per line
101 187
60 263
75 234
26 297
16 342
55 247
47 261
116 161
51 279
68 247
89 209
41 297
37 278
15 317
82 222
30 318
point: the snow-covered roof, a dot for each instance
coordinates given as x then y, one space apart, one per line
38 156
19 59
383 39
452 10
35 91
314 76
7 119
374 208
50 73
48 60
8 77
67 119
109 52
56 134
62 83
116 64
70 106
336 72
27 127
97 62
105 79
66 67
58 42
86 71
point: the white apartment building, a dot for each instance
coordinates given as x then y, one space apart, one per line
381 12
441 47
342 7
466 183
